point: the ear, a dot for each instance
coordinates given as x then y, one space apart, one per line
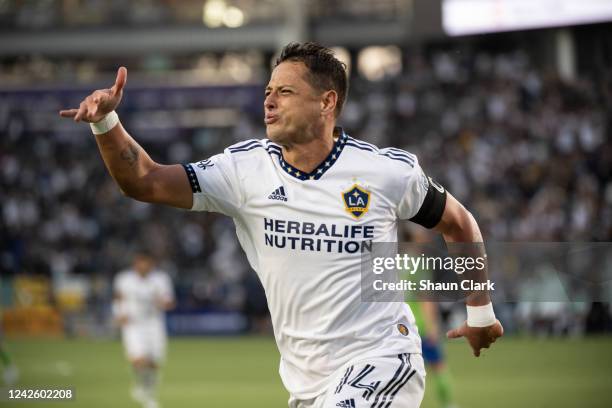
329 99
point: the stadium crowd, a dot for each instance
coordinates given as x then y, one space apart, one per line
529 154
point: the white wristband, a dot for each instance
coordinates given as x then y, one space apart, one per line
480 316
110 121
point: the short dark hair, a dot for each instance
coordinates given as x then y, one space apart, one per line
325 70
143 252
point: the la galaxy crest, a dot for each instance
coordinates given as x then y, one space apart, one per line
356 201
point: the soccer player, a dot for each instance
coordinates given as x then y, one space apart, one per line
428 322
142 295
427 319
10 373
305 201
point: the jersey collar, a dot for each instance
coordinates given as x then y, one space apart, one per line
325 165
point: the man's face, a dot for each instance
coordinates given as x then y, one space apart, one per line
143 264
292 106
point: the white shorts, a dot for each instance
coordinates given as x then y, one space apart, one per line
396 381
148 342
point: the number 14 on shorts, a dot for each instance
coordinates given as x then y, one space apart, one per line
379 383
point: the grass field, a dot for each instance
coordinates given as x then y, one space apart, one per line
242 372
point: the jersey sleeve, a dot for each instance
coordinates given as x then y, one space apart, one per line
118 284
118 305
423 201
166 290
215 184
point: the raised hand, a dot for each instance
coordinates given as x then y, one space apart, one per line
101 102
478 337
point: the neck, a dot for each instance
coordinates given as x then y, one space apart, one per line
308 155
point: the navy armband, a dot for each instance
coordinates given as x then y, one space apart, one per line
193 179
430 213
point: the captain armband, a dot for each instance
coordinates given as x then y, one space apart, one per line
430 213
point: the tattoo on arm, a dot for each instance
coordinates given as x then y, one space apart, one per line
130 155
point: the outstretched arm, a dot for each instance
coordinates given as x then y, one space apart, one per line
459 226
136 174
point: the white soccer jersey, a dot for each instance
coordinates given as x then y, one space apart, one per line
140 296
303 234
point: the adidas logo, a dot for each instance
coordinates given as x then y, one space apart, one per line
278 194
349 403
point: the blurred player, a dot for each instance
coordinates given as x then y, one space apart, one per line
142 295
427 318
305 201
10 373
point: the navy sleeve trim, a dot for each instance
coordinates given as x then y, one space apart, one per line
245 149
431 210
193 179
244 145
